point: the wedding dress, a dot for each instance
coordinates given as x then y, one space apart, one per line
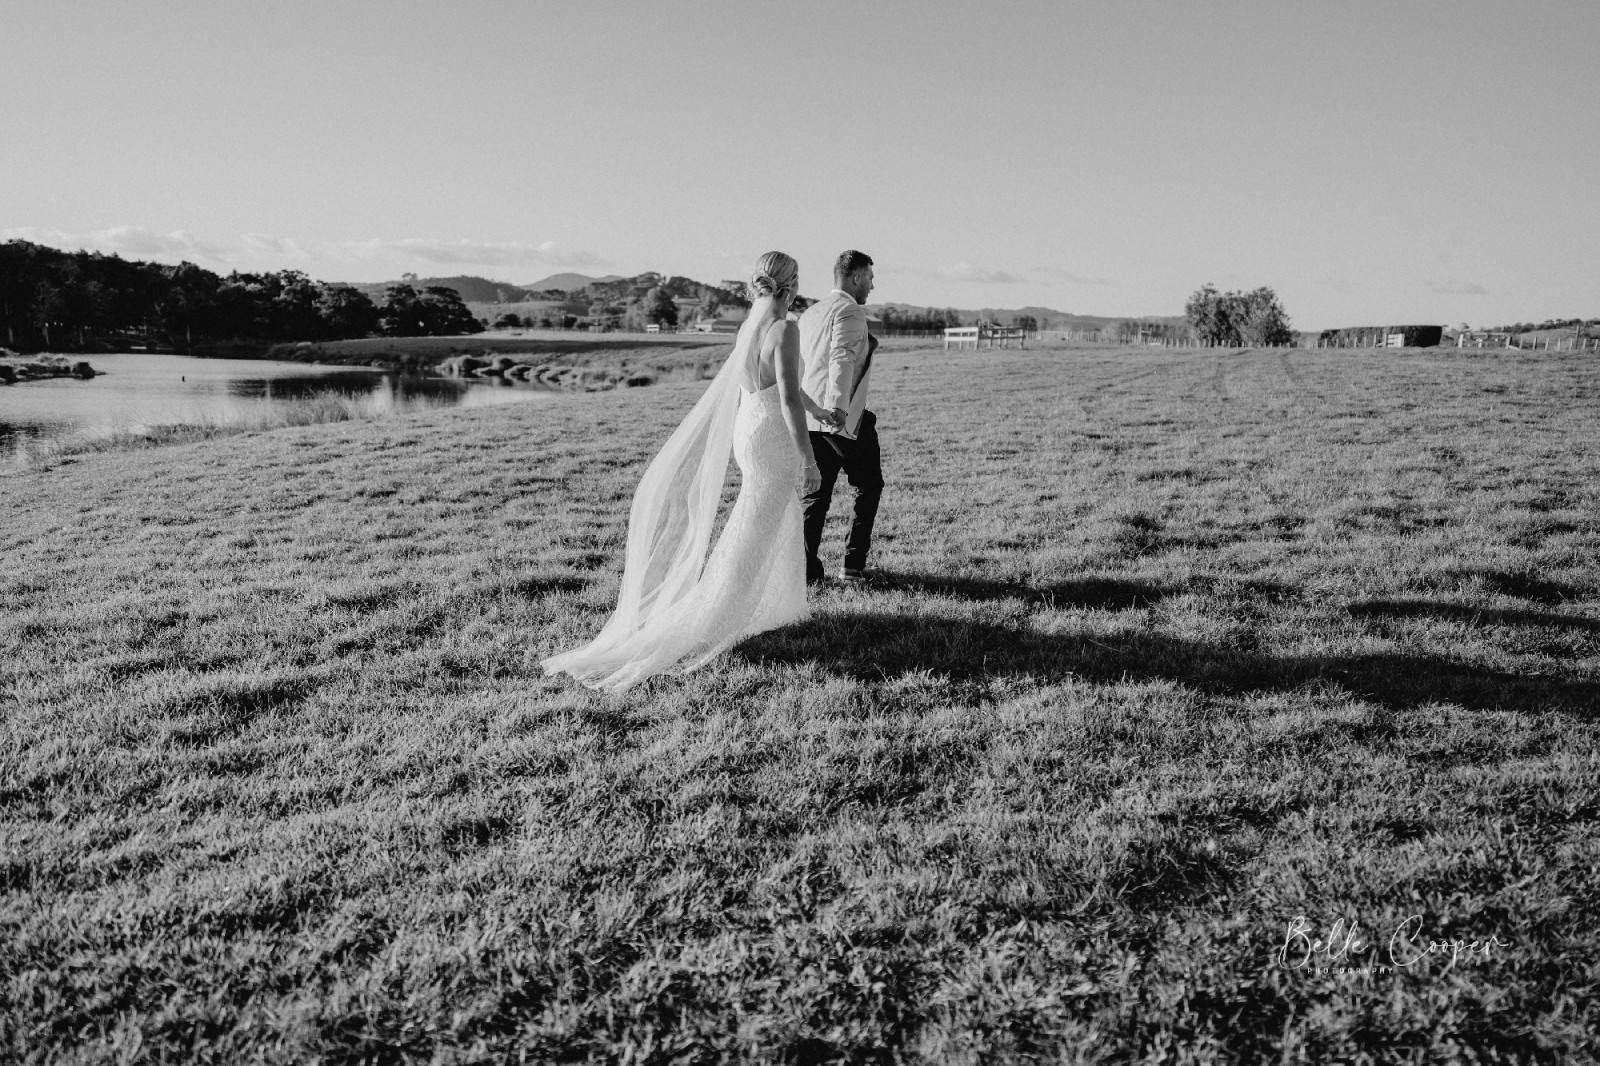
673 613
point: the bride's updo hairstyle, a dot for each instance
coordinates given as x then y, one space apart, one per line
775 273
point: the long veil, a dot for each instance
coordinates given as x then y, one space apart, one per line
669 527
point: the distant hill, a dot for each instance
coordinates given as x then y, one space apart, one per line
568 281
471 288
487 298
474 289
605 301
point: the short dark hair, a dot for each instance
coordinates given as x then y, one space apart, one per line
850 262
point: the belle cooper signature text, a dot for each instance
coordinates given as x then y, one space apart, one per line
1347 945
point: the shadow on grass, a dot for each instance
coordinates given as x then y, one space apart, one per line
534 588
231 707
1100 593
1527 586
871 645
1456 612
1087 593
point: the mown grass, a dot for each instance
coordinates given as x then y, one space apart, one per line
1169 650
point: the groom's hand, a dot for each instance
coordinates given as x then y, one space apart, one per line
837 416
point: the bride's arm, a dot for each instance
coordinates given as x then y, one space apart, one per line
794 399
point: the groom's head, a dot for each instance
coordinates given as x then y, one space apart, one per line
852 273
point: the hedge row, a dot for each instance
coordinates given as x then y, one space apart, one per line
1377 336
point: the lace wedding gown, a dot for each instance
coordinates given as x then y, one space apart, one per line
754 579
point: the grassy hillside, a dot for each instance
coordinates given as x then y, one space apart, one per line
1177 662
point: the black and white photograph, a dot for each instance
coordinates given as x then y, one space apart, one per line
845 532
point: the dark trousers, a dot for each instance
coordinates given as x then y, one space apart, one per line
860 461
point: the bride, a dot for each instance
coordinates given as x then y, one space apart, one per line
676 610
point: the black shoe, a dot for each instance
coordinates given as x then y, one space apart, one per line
853 573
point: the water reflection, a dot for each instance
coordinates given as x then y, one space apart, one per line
139 390
359 384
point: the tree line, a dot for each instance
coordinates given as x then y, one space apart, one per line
81 301
929 320
1582 325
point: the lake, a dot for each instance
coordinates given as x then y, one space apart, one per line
137 390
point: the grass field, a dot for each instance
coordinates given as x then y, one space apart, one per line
1178 662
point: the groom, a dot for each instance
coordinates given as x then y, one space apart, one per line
837 356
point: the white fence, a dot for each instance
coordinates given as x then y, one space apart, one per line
1544 344
978 335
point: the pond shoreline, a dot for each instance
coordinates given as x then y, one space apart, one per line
561 361
42 454
570 363
138 399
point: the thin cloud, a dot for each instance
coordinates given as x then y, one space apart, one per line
267 244
139 242
560 256
1457 288
438 253
1075 278
968 272
136 242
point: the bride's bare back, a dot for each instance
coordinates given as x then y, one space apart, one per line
764 368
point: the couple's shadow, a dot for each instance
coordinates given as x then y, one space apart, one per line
872 644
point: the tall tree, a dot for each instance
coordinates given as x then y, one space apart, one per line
47 308
188 305
1235 319
661 308
444 314
346 312
1207 311
294 314
15 288
401 314
1262 319
436 311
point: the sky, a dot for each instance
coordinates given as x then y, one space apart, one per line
1373 161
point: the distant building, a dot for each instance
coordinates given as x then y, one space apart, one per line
718 325
1484 338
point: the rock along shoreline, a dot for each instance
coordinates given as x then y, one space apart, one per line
15 368
552 375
